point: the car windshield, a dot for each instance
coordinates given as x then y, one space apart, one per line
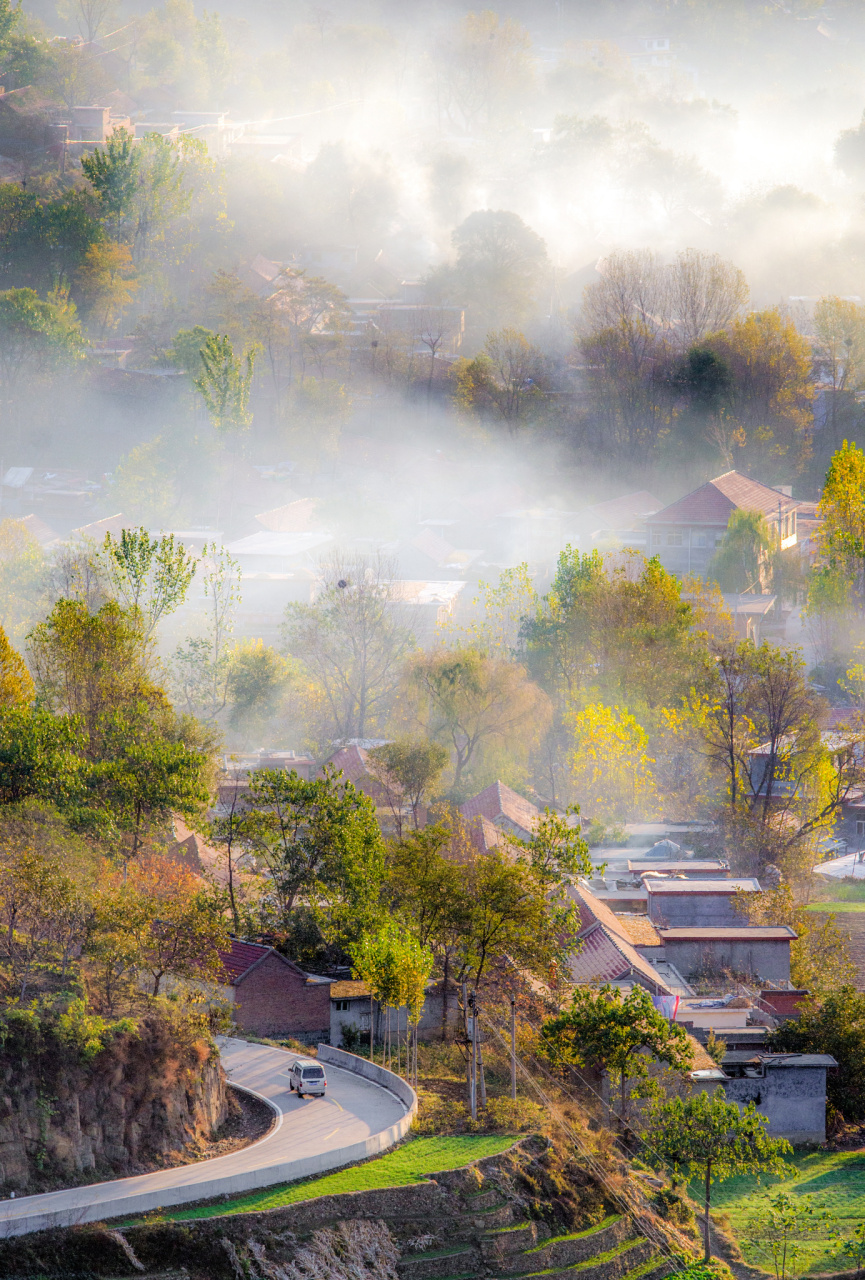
313 1073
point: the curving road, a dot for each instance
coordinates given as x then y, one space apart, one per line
356 1118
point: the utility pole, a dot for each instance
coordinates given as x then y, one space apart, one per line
482 1080
513 1047
473 1094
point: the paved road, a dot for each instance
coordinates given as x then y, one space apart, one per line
356 1118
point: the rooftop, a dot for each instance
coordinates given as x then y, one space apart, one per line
730 933
744 884
349 990
499 801
689 867
712 503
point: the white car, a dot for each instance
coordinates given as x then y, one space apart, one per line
307 1076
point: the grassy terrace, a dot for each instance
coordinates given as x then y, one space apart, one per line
835 1179
412 1162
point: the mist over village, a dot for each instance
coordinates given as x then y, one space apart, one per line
432 640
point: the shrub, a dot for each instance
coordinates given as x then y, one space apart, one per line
514 1115
671 1206
438 1115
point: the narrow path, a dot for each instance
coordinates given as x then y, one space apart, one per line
310 1135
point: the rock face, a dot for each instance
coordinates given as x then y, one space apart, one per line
146 1096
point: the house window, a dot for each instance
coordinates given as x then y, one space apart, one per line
364 1022
674 539
657 538
860 827
342 1005
719 538
700 540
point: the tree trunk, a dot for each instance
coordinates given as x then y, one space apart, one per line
707 1251
446 972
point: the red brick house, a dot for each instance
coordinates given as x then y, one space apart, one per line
274 997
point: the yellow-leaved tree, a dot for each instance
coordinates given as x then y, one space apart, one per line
16 685
610 764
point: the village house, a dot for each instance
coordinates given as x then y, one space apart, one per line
788 1088
503 809
350 1008
674 902
271 996
686 534
760 952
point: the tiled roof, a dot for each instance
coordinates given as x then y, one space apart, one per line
485 834
713 502
498 801
606 949
240 959
603 956
243 956
352 761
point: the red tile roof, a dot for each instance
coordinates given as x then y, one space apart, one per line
602 956
498 802
240 959
244 956
713 502
605 949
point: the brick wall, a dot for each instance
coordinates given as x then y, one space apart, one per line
273 1000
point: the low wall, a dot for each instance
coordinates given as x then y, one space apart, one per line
41 1215
374 1073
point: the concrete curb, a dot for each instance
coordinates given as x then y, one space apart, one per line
140 1199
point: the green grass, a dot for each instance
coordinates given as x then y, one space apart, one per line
412 1162
836 1179
836 906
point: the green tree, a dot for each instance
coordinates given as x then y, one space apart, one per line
257 678
707 1137
186 348
202 665
429 892
113 172
408 770
781 1223
23 575
743 562
618 1035
832 1023
36 337
225 382
149 575
321 846
40 756
840 351
90 664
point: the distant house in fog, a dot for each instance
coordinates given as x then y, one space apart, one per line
685 534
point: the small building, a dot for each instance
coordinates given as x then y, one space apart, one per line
686 534
757 951
272 996
696 902
788 1088
350 1007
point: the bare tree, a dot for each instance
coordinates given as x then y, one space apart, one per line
353 640
705 294
435 326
